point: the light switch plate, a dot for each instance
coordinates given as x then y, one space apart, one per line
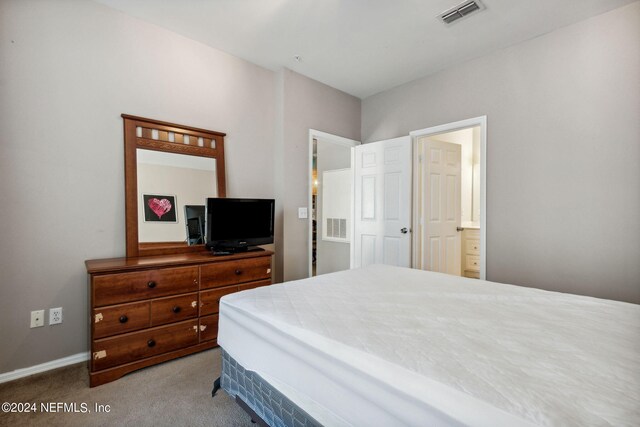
302 213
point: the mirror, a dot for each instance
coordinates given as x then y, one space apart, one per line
170 170
167 183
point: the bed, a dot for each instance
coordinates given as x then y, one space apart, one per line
385 345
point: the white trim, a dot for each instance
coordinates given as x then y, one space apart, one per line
43 367
449 127
333 138
316 134
415 204
352 248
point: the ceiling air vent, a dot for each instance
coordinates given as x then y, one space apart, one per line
460 11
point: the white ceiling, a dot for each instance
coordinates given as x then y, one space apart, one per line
361 47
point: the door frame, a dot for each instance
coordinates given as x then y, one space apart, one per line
334 139
450 127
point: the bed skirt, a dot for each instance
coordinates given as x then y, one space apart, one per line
273 407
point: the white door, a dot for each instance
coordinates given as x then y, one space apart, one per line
382 203
440 165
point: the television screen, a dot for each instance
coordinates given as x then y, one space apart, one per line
236 224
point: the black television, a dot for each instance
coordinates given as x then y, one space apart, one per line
235 225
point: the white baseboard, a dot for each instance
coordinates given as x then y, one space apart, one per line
54 364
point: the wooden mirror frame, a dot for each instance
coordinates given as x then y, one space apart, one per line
212 146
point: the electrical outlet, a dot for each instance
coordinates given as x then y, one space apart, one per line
55 316
37 318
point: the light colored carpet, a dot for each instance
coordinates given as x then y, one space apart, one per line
174 393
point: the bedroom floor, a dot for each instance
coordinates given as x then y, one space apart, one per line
173 393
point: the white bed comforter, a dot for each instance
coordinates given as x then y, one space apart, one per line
471 352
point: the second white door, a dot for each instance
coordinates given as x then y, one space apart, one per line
440 218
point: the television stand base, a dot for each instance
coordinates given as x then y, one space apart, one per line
236 250
222 252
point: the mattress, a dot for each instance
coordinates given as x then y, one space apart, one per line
385 345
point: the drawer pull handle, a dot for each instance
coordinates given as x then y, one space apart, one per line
123 319
238 272
151 343
151 284
176 309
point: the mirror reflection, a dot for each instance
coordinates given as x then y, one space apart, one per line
194 216
170 188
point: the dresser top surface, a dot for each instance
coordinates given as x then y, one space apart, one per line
108 265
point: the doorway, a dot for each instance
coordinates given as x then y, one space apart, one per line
330 202
452 237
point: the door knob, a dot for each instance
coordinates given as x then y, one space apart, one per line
404 230
459 228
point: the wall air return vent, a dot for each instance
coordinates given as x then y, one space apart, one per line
460 11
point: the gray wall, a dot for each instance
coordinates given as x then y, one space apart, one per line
68 69
563 150
563 197
306 104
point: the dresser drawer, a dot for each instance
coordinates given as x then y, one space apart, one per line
231 273
127 287
473 247
472 274
472 233
119 319
208 328
253 285
210 300
473 263
109 352
174 309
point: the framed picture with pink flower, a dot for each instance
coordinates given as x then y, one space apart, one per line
159 208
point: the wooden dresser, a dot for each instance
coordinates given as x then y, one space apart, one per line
148 310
